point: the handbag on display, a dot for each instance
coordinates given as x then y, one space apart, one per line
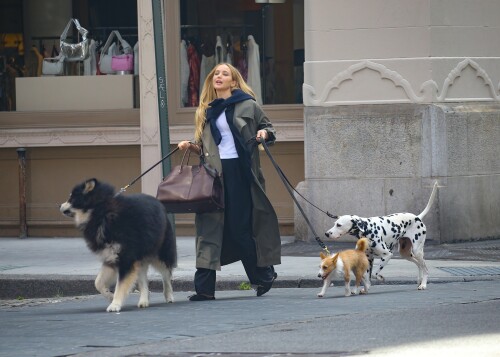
111 49
53 66
123 63
75 51
192 189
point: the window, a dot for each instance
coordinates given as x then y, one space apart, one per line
264 39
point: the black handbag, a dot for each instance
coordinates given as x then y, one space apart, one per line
192 189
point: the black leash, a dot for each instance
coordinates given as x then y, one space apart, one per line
123 189
290 191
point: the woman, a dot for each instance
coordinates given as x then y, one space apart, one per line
228 126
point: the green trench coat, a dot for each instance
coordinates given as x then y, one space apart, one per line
248 119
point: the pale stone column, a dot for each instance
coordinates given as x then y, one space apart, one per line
150 128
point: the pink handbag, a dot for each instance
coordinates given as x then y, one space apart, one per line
123 62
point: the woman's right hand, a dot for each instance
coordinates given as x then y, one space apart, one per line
183 145
188 145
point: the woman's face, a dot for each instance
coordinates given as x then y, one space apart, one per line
222 79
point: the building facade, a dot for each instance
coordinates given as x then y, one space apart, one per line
372 100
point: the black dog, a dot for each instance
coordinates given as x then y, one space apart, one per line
128 233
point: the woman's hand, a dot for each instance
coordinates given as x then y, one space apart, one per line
188 145
183 145
261 136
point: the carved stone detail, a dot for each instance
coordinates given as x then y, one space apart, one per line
429 90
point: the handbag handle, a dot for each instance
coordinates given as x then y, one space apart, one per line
80 29
125 45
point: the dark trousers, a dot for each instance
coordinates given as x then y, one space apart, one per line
237 230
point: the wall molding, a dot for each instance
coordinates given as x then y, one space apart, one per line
430 91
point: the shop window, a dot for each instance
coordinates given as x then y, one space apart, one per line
257 37
30 31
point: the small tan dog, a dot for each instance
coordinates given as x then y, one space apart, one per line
342 263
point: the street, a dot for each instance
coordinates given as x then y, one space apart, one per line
456 318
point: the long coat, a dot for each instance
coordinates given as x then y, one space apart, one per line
248 119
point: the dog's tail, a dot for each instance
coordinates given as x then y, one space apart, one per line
362 244
431 201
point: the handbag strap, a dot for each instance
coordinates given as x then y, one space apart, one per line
58 58
80 29
125 45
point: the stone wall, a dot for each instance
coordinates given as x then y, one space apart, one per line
373 160
399 93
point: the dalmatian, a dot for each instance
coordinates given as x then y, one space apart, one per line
404 229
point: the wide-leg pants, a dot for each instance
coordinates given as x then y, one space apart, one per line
237 230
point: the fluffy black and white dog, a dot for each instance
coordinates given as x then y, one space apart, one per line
404 229
128 233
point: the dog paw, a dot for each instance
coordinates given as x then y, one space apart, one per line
320 295
114 307
169 298
381 278
422 287
143 304
363 292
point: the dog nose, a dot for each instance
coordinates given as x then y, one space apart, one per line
319 275
327 235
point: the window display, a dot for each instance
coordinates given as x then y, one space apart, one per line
259 39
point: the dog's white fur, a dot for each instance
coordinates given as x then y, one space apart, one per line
405 229
342 264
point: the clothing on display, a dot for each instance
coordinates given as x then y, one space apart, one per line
195 64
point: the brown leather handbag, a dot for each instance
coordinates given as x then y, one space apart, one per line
192 189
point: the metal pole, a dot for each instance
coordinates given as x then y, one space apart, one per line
161 81
21 158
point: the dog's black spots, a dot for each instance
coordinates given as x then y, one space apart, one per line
383 230
417 219
391 192
378 240
374 244
375 232
424 232
382 259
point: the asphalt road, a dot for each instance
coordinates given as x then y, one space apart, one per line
448 319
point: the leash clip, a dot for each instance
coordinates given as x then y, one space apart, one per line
123 189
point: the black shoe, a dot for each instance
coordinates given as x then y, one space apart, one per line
265 287
200 297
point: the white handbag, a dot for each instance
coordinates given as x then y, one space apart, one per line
111 49
53 66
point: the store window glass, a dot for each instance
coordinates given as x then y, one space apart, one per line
263 39
30 31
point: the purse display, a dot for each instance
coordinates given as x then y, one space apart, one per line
53 66
192 189
122 63
110 50
75 51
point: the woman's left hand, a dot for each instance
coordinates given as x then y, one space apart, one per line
261 135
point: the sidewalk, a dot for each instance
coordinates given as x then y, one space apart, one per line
49 267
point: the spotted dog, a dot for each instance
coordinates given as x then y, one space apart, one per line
405 229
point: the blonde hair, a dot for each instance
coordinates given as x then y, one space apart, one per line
208 94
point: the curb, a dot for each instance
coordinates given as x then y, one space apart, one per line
32 286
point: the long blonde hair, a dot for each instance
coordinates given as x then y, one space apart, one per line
208 94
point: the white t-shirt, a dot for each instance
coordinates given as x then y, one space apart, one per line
227 148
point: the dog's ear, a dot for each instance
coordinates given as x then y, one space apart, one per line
335 258
89 185
322 255
362 226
